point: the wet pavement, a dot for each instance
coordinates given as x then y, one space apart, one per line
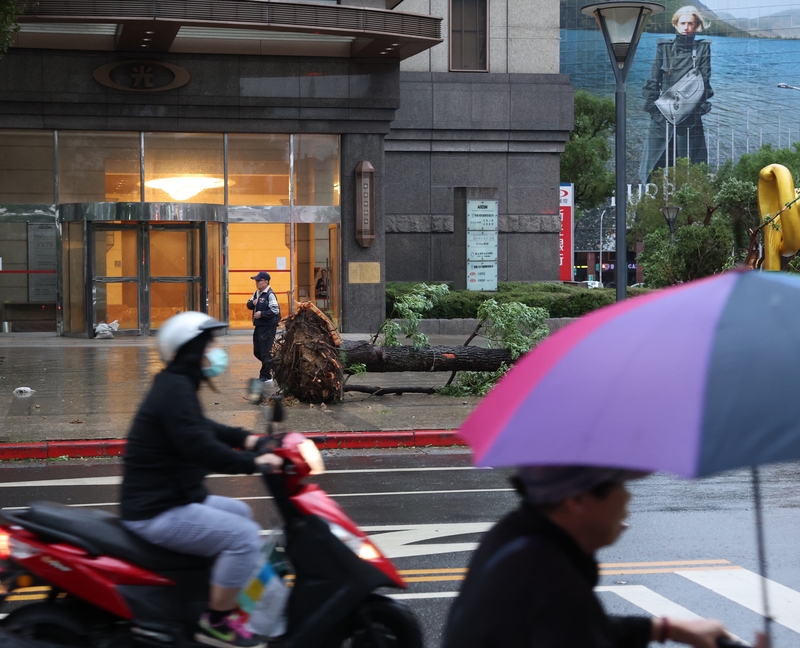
90 389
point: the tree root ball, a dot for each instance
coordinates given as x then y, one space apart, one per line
306 362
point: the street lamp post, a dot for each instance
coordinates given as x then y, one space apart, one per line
622 24
670 213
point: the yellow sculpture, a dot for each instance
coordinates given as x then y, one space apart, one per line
776 202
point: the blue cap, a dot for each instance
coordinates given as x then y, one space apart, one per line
262 275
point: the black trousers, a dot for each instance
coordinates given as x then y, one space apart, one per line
263 337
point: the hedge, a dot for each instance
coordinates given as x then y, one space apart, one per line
560 300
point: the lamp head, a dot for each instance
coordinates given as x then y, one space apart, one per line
622 24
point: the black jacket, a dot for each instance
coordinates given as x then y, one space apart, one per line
172 447
261 305
531 586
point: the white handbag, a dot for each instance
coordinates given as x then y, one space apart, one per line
681 100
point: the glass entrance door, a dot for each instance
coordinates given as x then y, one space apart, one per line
116 271
143 273
174 271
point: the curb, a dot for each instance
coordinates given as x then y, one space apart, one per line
324 440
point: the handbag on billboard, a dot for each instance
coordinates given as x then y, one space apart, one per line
680 100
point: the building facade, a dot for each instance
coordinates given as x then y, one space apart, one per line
153 156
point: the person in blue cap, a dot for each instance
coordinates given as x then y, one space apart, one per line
266 315
531 581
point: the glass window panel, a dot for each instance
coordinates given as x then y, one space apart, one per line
253 247
27 167
74 313
316 265
117 301
184 167
174 253
316 170
168 299
468 35
215 269
258 170
98 167
115 253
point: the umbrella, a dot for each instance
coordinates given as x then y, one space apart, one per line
693 380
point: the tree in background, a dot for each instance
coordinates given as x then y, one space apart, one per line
586 156
726 205
8 24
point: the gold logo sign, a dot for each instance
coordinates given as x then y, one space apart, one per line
141 76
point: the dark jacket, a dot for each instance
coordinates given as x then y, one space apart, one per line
531 586
672 62
172 447
270 314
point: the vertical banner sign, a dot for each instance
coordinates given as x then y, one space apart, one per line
482 230
42 256
565 245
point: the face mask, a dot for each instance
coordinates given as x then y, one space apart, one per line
219 362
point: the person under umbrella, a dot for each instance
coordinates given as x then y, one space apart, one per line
531 580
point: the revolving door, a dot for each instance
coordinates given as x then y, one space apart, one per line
137 264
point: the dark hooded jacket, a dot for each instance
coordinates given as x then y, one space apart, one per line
172 446
531 586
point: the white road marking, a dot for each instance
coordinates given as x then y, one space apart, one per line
117 479
743 586
392 493
400 543
424 595
648 600
333 495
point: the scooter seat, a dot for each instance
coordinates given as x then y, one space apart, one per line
100 532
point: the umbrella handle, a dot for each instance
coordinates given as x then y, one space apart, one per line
762 555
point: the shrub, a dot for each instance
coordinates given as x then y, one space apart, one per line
559 300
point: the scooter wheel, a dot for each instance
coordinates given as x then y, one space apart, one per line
382 623
50 622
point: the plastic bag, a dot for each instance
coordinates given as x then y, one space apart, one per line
103 331
265 596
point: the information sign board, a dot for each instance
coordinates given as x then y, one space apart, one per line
481 246
42 256
482 276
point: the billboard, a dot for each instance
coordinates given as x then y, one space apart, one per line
704 81
565 246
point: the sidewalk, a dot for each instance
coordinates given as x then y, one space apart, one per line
87 391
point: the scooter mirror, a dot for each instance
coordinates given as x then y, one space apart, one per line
255 391
277 409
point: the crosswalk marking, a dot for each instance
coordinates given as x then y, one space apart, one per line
649 601
744 587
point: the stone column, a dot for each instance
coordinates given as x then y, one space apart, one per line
363 269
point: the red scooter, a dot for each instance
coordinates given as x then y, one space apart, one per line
111 589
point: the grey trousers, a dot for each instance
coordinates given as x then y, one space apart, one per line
220 526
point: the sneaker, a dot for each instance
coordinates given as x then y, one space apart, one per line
266 381
228 633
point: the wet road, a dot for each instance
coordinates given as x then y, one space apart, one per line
690 548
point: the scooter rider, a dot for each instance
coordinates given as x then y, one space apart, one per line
171 448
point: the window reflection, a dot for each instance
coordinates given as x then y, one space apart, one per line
184 167
26 168
98 167
258 169
316 170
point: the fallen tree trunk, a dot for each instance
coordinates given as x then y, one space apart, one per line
380 391
438 358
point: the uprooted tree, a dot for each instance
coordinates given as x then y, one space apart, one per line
312 362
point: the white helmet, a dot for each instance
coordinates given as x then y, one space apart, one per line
181 328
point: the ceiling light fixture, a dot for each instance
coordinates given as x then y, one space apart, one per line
185 187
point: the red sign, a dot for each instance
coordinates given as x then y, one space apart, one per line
565 249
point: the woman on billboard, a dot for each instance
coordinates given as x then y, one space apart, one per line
676 95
